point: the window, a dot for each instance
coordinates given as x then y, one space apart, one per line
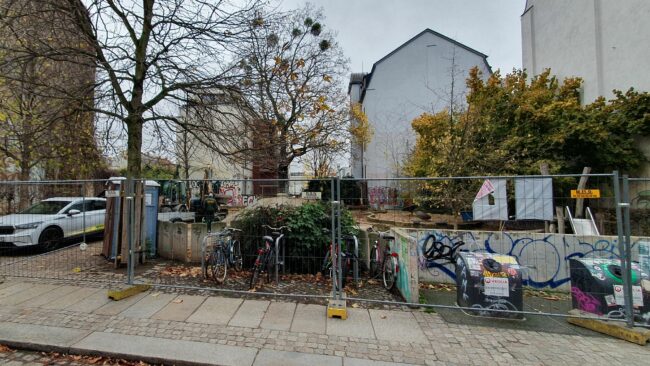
98 205
77 206
85 206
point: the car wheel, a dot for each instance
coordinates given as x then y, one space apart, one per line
50 238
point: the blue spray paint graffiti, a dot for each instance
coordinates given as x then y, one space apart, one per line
544 257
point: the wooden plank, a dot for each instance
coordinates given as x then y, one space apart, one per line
636 335
581 185
559 212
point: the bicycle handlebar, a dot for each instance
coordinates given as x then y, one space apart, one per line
277 228
382 234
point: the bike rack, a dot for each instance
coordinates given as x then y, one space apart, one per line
336 306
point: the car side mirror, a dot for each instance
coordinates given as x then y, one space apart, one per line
73 212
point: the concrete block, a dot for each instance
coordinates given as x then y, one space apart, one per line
215 310
268 357
169 351
148 305
249 314
358 324
396 326
309 319
180 308
279 316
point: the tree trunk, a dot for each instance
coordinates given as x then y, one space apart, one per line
25 173
134 146
283 173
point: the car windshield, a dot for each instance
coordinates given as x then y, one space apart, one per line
46 208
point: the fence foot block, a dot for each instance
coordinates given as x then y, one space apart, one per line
619 330
337 309
129 291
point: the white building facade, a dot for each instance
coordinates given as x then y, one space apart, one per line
425 74
602 41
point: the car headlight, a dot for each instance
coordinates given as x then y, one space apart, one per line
31 225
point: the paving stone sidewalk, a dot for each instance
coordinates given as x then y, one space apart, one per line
172 328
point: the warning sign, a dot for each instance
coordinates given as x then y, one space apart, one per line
496 286
585 193
637 296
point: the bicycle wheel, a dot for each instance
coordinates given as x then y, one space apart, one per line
220 268
374 262
255 274
345 267
211 264
390 270
270 265
237 257
207 269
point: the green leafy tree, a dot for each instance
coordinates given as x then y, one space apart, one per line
512 126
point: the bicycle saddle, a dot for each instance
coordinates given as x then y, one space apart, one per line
268 238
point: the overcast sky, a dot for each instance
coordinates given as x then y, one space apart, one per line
370 29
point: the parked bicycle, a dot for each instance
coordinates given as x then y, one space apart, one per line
224 252
384 262
266 260
349 258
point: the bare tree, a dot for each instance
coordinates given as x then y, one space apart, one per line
41 134
320 162
185 152
293 69
151 56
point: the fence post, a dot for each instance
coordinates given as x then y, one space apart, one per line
339 249
333 239
130 227
83 210
627 273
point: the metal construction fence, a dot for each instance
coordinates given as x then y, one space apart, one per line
505 246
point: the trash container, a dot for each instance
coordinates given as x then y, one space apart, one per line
489 283
644 256
151 190
597 287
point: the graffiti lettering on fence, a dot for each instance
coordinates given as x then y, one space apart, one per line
544 258
235 198
382 196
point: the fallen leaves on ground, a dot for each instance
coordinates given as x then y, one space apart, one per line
181 271
5 349
177 301
547 295
438 286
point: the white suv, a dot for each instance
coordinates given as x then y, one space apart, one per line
50 221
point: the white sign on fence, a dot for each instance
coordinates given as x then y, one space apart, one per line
112 194
637 296
496 286
311 195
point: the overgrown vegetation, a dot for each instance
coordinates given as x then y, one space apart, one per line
511 126
305 242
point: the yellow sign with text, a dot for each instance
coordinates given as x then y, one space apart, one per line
585 193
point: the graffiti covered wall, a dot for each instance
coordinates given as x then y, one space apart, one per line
544 257
234 192
407 277
382 196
